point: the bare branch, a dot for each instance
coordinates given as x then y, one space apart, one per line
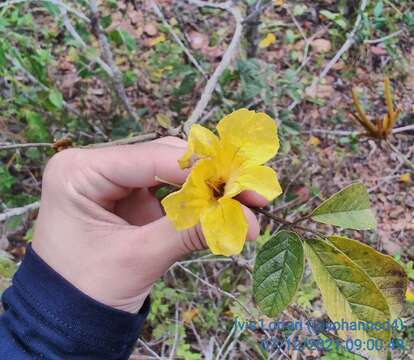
190 56
227 57
177 334
403 129
351 38
401 156
72 31
385 38
22 146
109 60
125 141
19 211
146 347
348 43
55 2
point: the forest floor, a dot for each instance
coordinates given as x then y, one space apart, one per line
322 150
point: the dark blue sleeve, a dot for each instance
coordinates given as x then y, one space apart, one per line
45 317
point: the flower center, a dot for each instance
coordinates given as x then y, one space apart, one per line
217 187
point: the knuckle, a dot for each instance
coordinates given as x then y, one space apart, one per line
61 165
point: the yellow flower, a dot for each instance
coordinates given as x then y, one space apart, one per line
225 166
268 40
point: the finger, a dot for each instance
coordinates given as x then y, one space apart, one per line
174 245
105 175
139 208
250 198
253 224
138 166
172 141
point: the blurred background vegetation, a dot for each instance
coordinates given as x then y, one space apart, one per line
136 67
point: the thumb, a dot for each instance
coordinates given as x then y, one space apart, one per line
168 243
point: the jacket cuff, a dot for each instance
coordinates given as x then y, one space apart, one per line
66 315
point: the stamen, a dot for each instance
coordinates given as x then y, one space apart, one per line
217 187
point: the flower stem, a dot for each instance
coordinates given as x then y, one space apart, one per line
163 181
285 223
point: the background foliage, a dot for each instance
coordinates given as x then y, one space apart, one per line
54 85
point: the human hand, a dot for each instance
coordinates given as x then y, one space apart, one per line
101 227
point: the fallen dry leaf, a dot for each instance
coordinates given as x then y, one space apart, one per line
322 45
150 29
323 91
198 40
189 315
376 50
213 52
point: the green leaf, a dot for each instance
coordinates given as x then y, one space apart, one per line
349 295
6 179
329 14
299 10
277 272
378 9
386 273
348 208
36 129
7 267
164 121
56 98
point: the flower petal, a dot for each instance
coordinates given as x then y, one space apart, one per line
224 227
183 207
260 179
201 142
253 134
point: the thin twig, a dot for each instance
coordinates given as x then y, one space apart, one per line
403 129
34 80
253 14
227 57
308 42
400 154
19 211
177 334
72 31
355 133
190 56
124 141
351 38
332 132
380 40
226 341
231 296
288 224
152 352
108 58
